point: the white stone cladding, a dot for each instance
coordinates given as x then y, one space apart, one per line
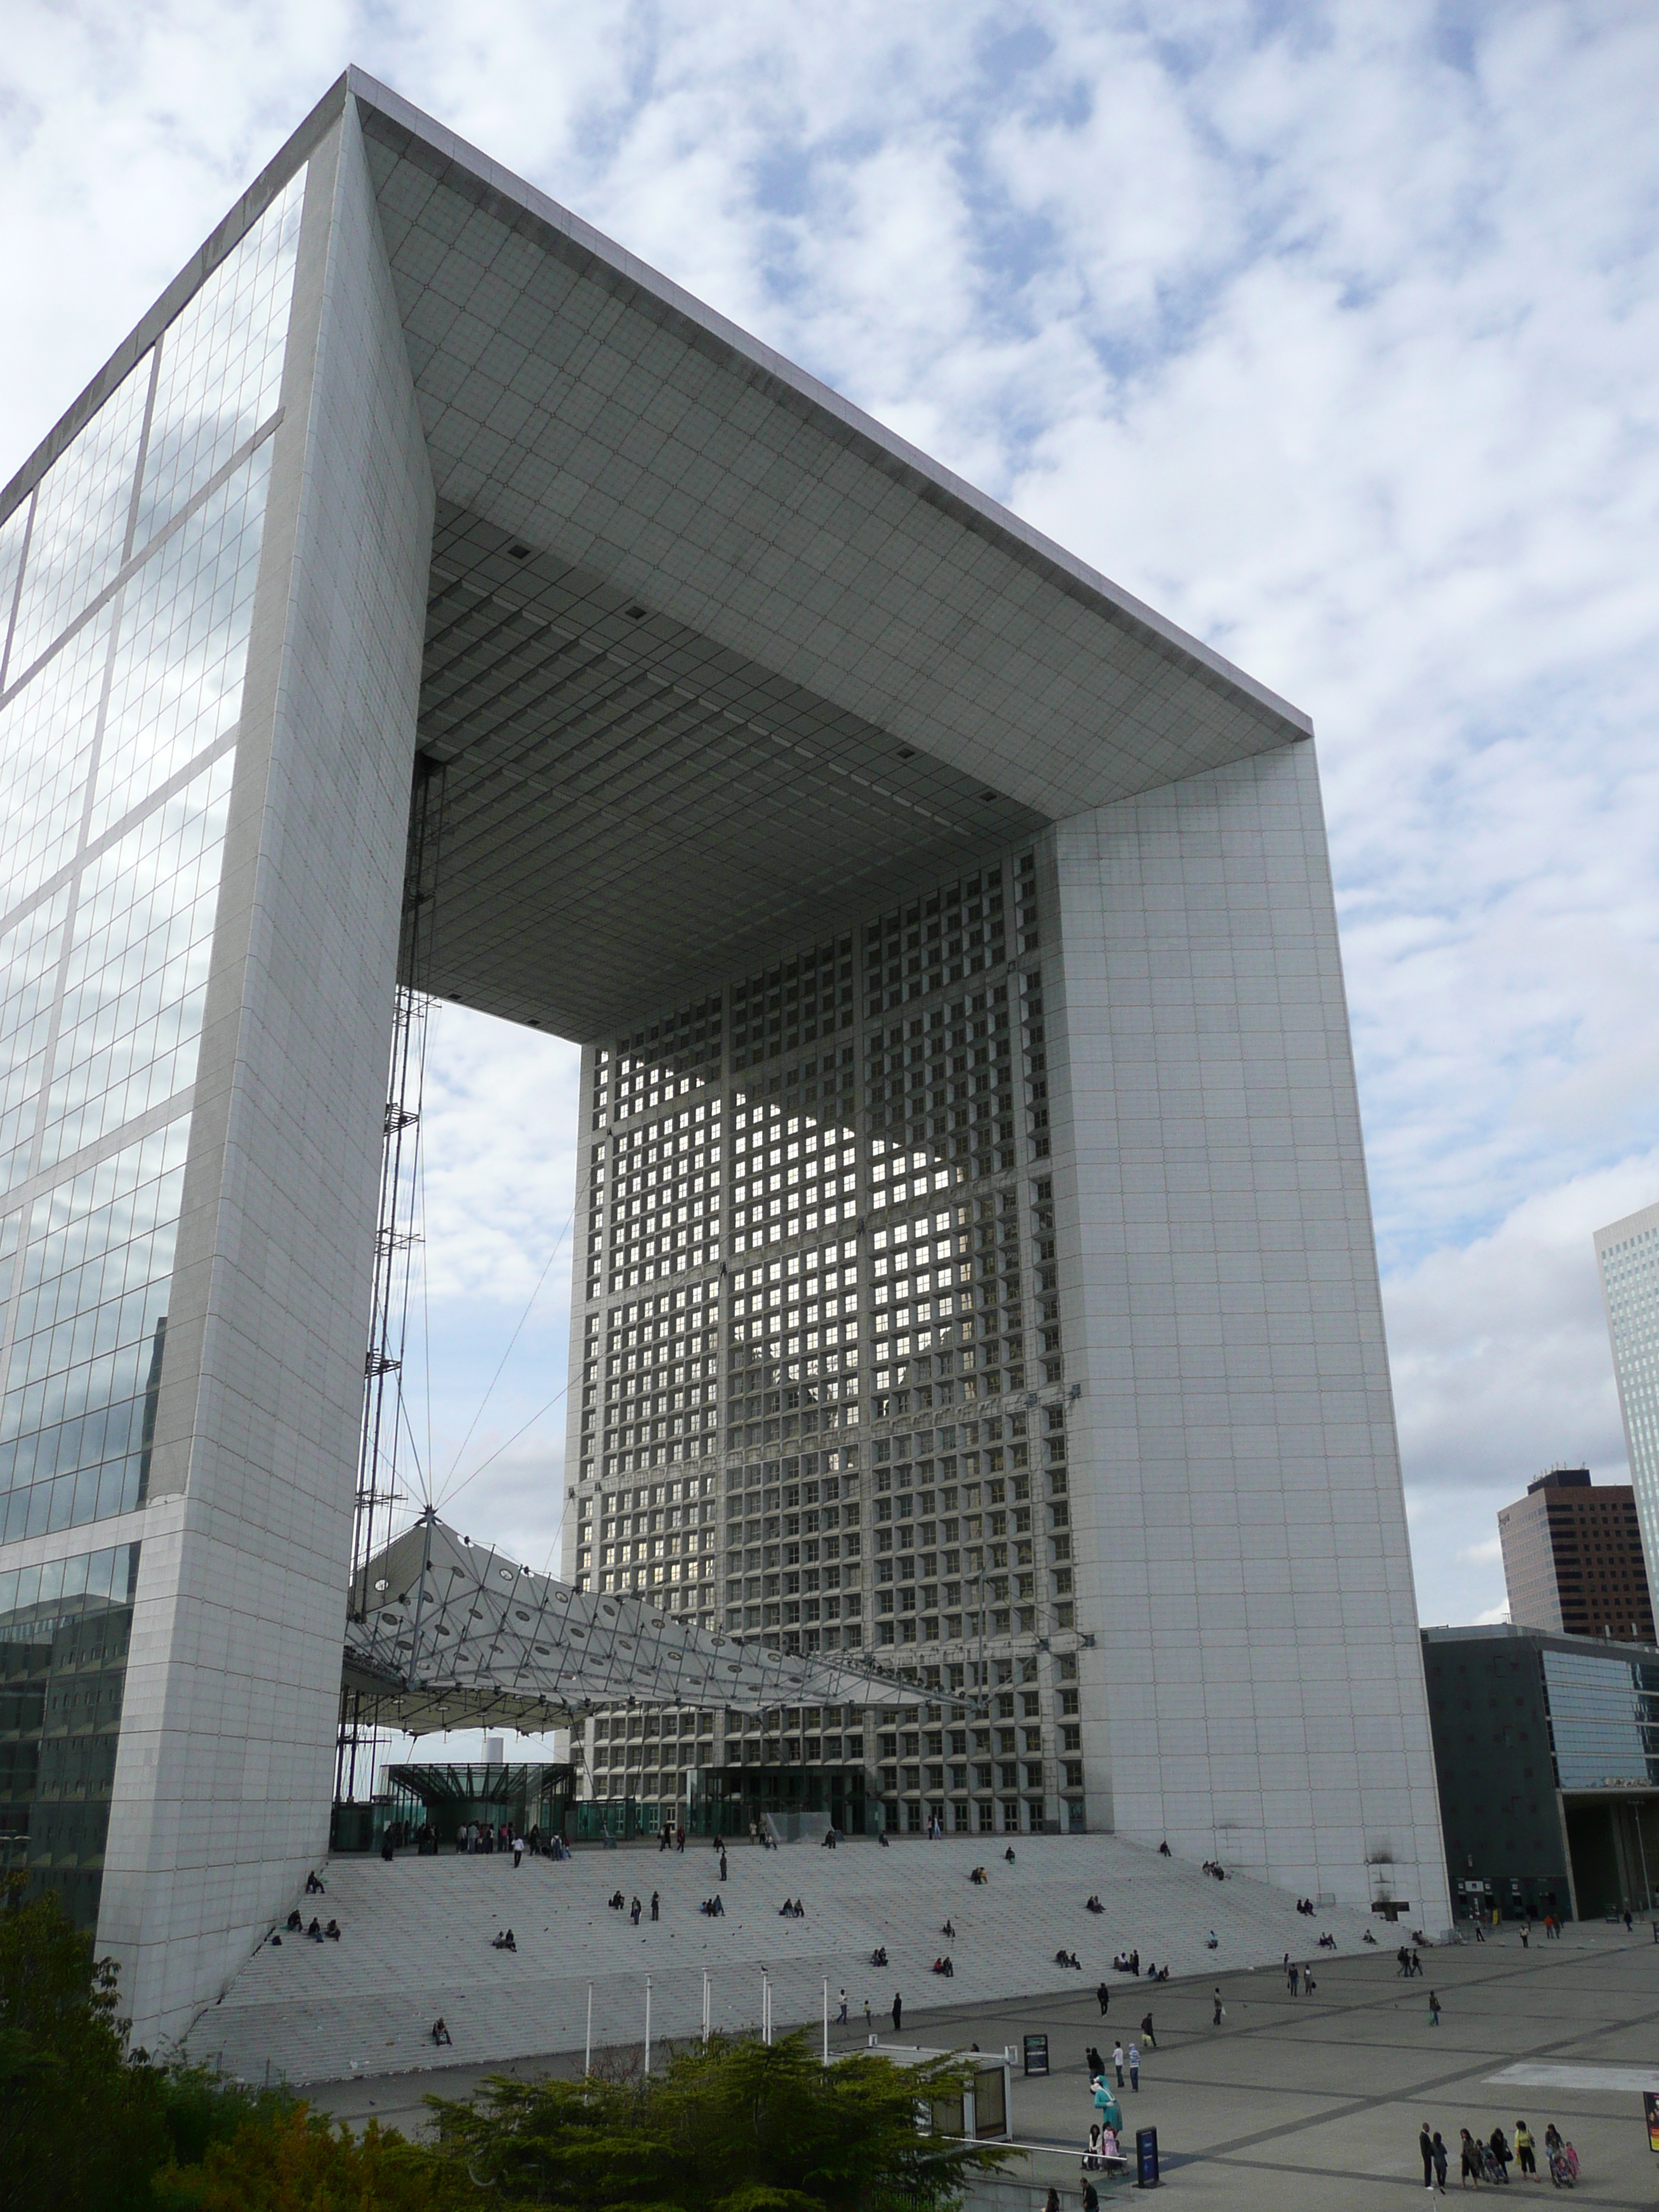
225 1770
1242 1546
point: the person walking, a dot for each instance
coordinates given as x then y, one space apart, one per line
869 2018
1439 2161
722 1866
1425 2145
1216 2019
1525 2152
841 2017
898 2012
517 1853
1117 2061
1434 2009
1134 2067
656 1905
1146 2031
1103 1997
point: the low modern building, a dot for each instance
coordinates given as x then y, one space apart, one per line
1546 1757
974 1265
1573 1562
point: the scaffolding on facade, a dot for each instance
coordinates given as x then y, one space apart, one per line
396 1235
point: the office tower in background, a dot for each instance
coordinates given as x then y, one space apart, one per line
1572 1558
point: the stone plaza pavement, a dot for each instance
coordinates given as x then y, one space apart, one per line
1298 2105
417 1944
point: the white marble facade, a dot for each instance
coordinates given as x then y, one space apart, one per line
396 373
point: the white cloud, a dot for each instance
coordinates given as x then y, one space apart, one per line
1328 328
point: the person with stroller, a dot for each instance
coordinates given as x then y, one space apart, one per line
1497 2144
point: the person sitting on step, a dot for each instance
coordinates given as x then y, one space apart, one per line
315 1931
948 1930
331 1933
440 2031
295 1923
314 1887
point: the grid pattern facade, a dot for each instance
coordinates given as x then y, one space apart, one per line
126 585
822 1395
1627 1257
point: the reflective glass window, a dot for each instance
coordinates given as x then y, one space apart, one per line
66 1631
135 564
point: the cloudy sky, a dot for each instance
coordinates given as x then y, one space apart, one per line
1329 329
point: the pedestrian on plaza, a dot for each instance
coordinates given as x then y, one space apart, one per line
1425 2145
1628 1920
1134 2067
1146 2030
634 1914
898 2012
1434 2009
1294 1979
1525 2152
1090 2199
1439 2161
1471 2160
1117 2061
1216 2020
1525 1931
1104 1996
722 1866
869 2020
841 2017
656 1903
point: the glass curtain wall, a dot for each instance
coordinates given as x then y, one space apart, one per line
65 1629
126 591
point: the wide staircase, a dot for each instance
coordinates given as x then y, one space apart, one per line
416 1945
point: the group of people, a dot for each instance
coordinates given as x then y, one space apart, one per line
1215 1868
878 1956
1127 1962
1406 1960
1063 1958
1094 1905
1304 1905
943 1966
615 1903
671 1839
1299 1980
503 1940
791 1909
713 1907
1489 2160
295 1925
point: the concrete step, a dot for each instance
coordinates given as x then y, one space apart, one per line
417 1944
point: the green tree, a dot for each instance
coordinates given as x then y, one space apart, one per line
75 2128
742 2127
289 2163
83 2122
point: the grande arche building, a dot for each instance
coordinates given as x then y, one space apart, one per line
975 1269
